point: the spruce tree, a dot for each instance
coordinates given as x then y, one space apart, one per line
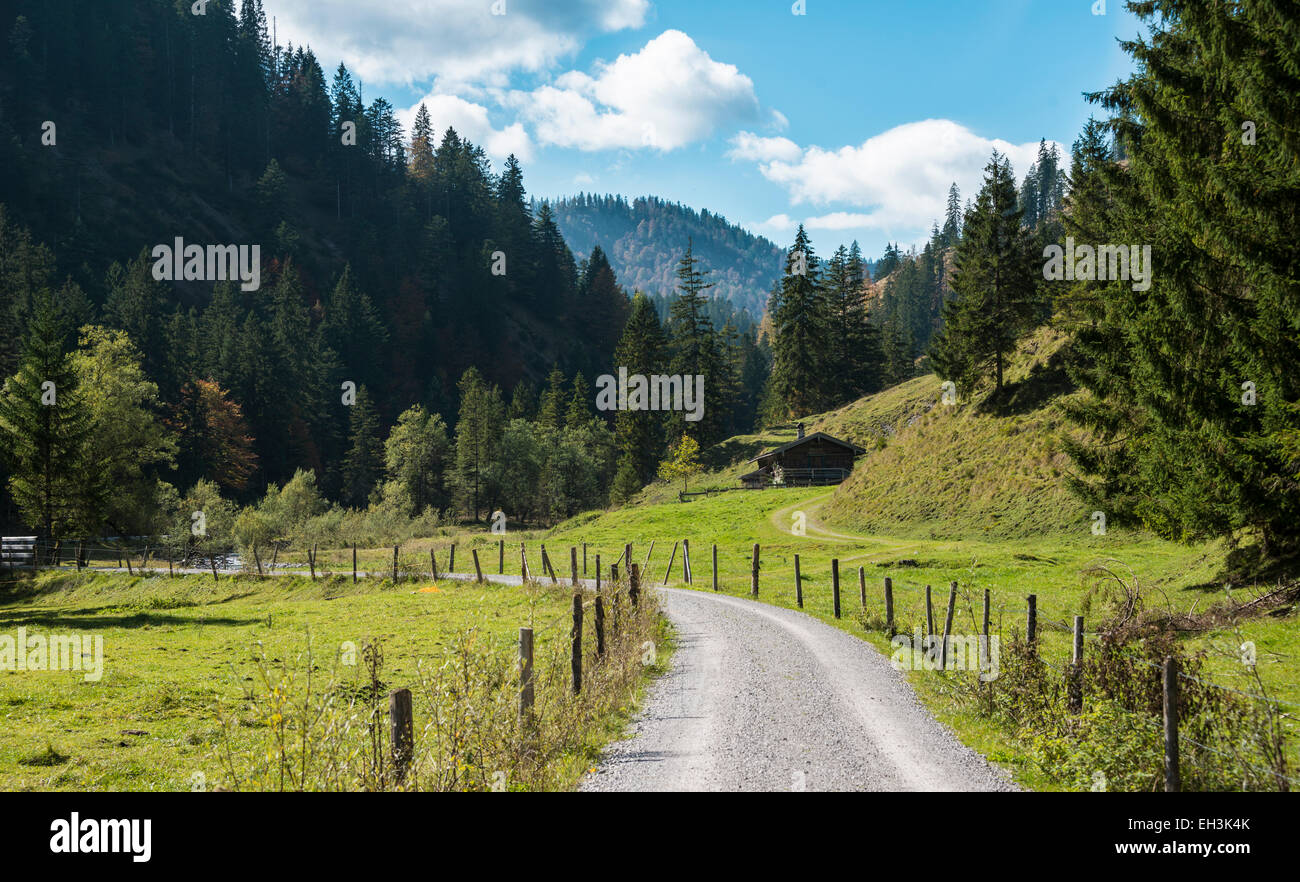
478 436
364 461
697 350
639 434
800 378
996 286
1202 358
45 421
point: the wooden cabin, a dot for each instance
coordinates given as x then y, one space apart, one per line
806 461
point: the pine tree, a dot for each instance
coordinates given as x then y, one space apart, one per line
1201 361
478 434
550 411
800 378
697 350
46 422
639 434
996 286
602 304
578 414
364 462
952 218
523 402
854 356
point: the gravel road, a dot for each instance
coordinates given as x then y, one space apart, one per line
763 698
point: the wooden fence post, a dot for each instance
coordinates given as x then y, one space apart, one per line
523 563
889 606
577 643
433 563
354 561
597 573
686 562
451 560
599 604
478 570
645 567
1031 622
212 559
546 564
394 564
525 675
170 571
634 584
314 552
403 730
798 583
984 648
753 579
715 566
584 559
947 625
501 557
256 558
1076 668
613 576
671 559
573 565
862 586
835 584
929 613
1173 782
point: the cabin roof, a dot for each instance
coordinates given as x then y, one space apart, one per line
857 451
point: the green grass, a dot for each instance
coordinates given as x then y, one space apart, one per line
1051 567
176 650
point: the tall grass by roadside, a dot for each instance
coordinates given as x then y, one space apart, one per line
322 724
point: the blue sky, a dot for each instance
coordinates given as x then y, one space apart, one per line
853 117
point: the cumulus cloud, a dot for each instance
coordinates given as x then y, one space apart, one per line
747 145
404 41
897 180
663 97
470 121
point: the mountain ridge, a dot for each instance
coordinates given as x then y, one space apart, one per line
645 236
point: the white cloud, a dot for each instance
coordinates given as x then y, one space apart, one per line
841 220
747 145
405 41
470 121
663 97
778 223
898 180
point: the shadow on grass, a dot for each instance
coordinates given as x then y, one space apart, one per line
90 620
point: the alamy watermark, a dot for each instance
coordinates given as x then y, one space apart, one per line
1104 263
656 392
966 652
215 263
55 652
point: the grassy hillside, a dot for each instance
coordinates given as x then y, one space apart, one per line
962 470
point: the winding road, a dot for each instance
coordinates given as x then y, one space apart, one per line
760 698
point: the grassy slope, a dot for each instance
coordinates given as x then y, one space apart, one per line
971 498
176 649
942 471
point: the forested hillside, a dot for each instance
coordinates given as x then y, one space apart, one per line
645 238
415 335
